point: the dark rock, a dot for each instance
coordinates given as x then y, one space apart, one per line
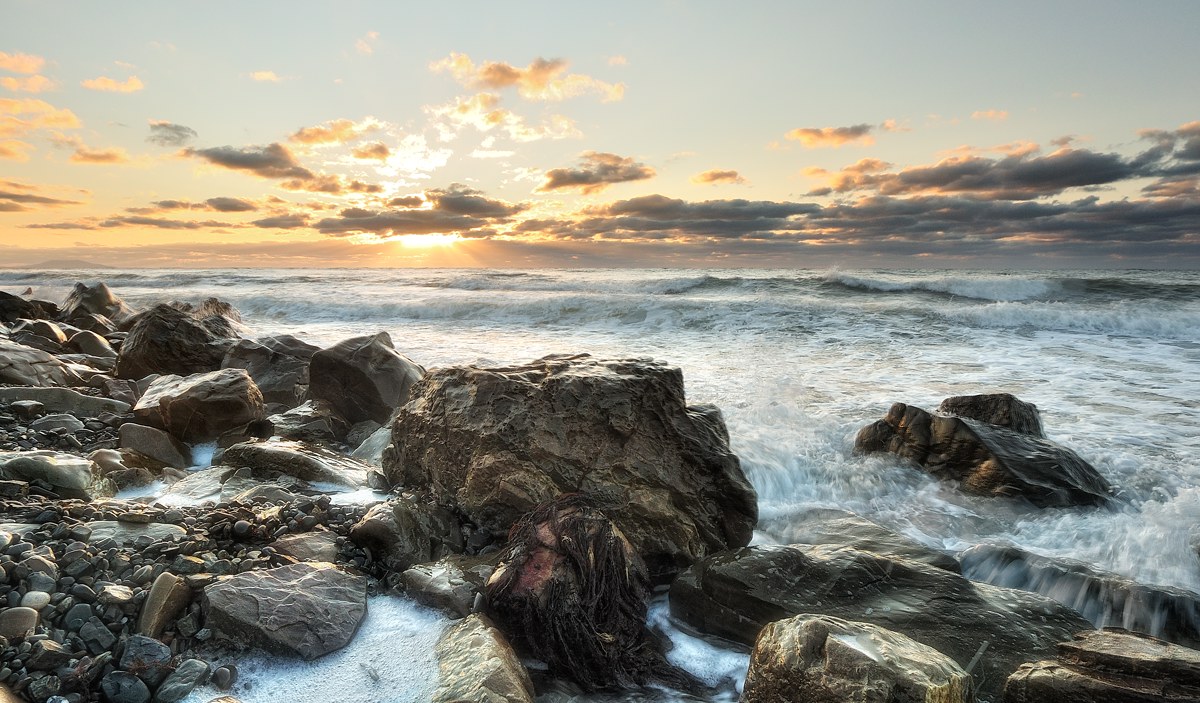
1110 666
124 687
61 421
829 660
303 609
95 300
156 444
224 677
47 330
47 655
14 308
363 378
844 529
476 663
21 365
17 622
1104 598
279 367
26 409
986 459
1003 409
312 421
402 532
92 344
65 400
167 340
499 441
148 658
989 631
199 408
186 677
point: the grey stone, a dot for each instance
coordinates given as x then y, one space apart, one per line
92 344
96 637
62 421
169 340
156 444
47 655
189 674
124 687
63 471
402 532
77 616
844 529
279 367
312 421
17 622
363 378
65 400
308 462
128 533
97 299
309 546
22 365
26 409
148 658
451 585
35 599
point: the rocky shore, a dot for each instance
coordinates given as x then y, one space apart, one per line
539 506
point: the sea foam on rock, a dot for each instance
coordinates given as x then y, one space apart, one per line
498 441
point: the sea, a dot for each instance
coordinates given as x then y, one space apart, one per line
797 361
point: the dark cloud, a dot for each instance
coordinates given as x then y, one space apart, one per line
131 221
596 171
220 204
230 205
406 201
397 222
461 200
271 161
17 197
281 222
169 134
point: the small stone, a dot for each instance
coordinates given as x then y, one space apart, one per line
224 677
42 688
62 421
41 581
241 528
26 409
167 597
180 683
115 595
17 622
36 600
47 655
124 687
96 636
148 657
77 616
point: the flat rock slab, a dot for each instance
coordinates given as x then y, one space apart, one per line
308 462
130 532
26 366
303 609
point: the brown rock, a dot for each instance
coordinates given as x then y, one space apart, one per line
167 598
21 365
476 663
167 340
1003 409
363 378
156 444
200 407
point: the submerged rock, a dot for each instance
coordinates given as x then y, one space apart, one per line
499 441
363 378
845 529
824 659
1104 598
303 609
1110 666
986 459
987 630
199 408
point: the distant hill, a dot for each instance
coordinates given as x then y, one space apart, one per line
62 265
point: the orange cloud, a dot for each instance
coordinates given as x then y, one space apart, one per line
105 84
596 171
718 176
32 84
21 63
265 77
85 154
366 44
337 131
542 80
816 137
992 115
21 116
375 151
483 112
13 150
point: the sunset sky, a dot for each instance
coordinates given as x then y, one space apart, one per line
864 134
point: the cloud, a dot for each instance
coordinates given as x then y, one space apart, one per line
718 176
457 209
617 60
22 197
365 45
84 154
374 151
230 204
19 117
459 199
169 134
338 131
105 84
595 172
21 63
406 201
271 161
14 150
265 77
991 115
281 222
31 84
131 221
816 137
544 80
483 112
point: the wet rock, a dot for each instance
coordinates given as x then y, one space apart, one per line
989 631
124 687
199 408
845 529
47 655
65 400
128 533
363 378
224 677
1110 666
318 545
303 609
279 367
499 441
92 344
22 365
67 473
167 340
371 449
308 462
451 584
186 677
148 658
95 300
1104 598
571 591
47 330
1003 409
476 663
986 459
14 308
402 532
830 660
156 444
312 421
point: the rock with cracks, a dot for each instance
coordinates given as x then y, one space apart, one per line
476 663
201 407
821 659
499 441
304 609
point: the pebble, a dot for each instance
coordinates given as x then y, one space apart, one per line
17 622
224 677
36 600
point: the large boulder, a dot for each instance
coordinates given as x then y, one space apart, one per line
22 365
1003 409
278 365
200 407
499 441
95 300
986 459
68 475
987 630
1104 598
1110 666
168 340
363 378
821 659
308 462
311 421
13 308
303 609
476 663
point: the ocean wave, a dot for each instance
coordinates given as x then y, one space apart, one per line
974 286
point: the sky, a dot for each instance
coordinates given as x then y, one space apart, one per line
654 133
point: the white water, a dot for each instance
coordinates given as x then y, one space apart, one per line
799 360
